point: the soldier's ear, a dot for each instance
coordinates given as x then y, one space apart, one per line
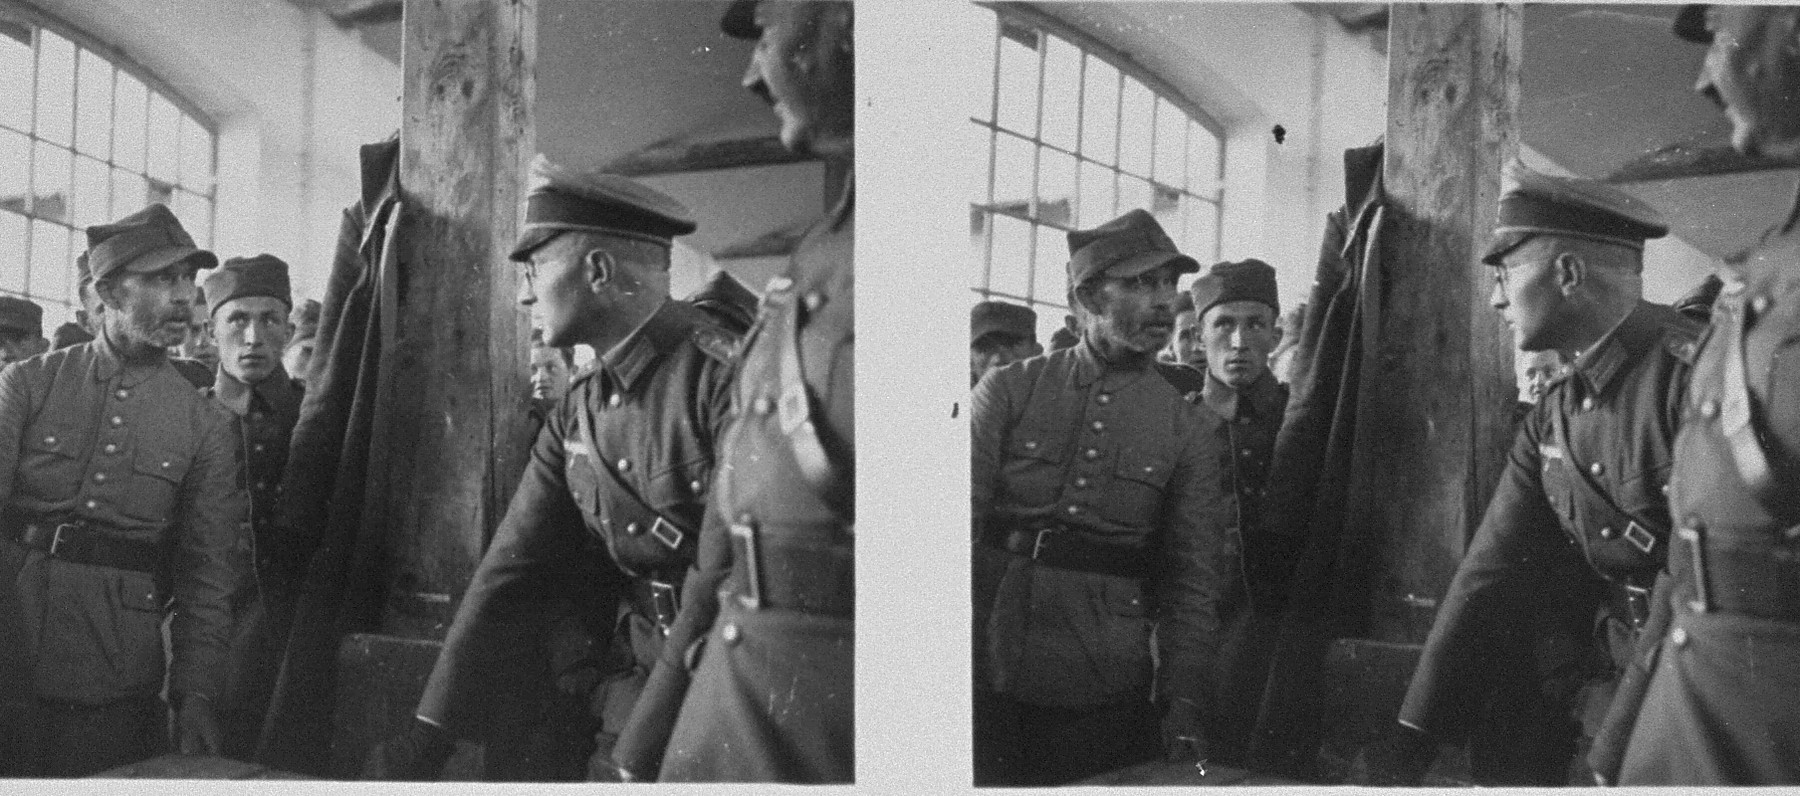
602 267
1571 271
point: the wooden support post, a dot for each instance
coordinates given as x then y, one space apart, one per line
456 434
1443 389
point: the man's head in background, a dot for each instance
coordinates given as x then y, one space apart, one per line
1000 334
21 330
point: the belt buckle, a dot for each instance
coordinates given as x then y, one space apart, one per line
1037 542
56 536
1640 538
1637 602
752 596
665 602
667 533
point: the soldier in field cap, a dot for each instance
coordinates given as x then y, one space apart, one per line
248 325
1236 306
120 506
1524 654
1721 678
609 509
21 329
1000 334
1100 513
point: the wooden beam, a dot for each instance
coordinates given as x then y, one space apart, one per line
455 431
680 158
1443 388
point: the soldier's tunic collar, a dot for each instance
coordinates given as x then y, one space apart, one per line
1090 366
1257 399
664 331
110 362
1599 366
277 391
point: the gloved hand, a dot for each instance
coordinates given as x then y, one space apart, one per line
1182 738
1401 758
418 755
196 726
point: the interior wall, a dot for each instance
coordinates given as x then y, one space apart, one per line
292 95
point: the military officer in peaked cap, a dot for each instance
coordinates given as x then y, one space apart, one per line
1544 609
120 506
21 330
248 323
611 501
760 661
1102 504
1000 334
1723 683
1235 308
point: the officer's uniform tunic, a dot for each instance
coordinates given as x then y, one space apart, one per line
1075 462
627 456
142 472
266 415
771 695
1723 702
1531 608
1251 597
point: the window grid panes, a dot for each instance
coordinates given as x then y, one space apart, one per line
1073 142
83 141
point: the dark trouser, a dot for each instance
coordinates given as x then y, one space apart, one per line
1049 745
47 738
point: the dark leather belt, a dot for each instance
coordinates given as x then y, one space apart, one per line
1068 547
810 570
1750 574
1629 602
83 543
658 599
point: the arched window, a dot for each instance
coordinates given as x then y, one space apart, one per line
1078 135
86 137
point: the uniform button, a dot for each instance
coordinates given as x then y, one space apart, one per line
1081 482
624 465
1073 509
614 400
1098 425
1587 404
262 485
167 464
91 505
1709 408
111 447
117 420
780 283
1678 637
761 405
1596 468
730 633
695 485
1760 303
123 394
1104 398
813 300
632 529
99 478
50 440
258 447
1245 453
1091 454
1665 490
1031 444
1608 533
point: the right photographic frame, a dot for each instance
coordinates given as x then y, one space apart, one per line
1384 394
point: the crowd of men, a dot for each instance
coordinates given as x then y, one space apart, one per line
1628 610
684 524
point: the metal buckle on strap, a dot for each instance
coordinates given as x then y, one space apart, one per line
1037 542
1637 603
752 595
1640 538
667 533
56 536
665 600
1701 603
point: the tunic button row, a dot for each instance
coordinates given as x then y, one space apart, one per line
1709 408
1091 454
111 447
1608 533
257 448
695 485
614 400
1098 426
1073 509
123 394
50 440
730 633
1596 468
1031 444
1104 398
1678 637
1081 482
813 300
117 420
762 405
1587 404
91 505
624 465
99 478
1760 303
632 529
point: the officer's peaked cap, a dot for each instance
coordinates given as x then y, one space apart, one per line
561 199
1532 204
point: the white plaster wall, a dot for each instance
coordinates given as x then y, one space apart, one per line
1253 66
293 97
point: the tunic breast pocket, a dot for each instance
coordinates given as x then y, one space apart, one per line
157 473
1032 472
1140 478
51 463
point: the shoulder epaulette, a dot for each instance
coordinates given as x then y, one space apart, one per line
716 341
1681 335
